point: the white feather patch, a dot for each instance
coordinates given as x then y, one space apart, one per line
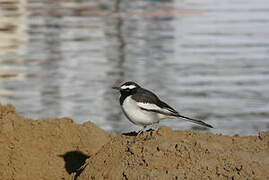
128 87
153 107
149 106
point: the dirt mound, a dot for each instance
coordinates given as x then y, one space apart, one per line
168 154
36 149
59 148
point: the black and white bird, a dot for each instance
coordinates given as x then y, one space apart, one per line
142 107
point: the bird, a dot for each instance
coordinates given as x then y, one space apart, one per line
142 107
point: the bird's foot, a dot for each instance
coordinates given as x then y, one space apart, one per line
155 126
141 131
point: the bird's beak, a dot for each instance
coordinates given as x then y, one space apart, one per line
117 88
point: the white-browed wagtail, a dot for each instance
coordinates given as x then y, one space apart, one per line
142 107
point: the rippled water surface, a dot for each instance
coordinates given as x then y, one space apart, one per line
208 59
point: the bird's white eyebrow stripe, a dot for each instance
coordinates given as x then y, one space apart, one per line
128 87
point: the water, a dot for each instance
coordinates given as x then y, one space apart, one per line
207 59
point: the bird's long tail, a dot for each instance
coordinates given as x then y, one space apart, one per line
196 121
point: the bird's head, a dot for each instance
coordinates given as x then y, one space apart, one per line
128 87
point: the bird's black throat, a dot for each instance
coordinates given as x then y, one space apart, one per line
126 93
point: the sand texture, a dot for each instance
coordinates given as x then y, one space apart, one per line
61 149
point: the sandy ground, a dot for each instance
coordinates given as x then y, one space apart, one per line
61 149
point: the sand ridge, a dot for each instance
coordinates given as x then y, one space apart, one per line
168 154
34 149
62 149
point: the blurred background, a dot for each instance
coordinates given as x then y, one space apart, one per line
207 59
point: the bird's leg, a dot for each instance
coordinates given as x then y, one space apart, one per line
156 126
142 130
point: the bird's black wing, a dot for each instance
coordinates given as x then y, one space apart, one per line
148 101
167 107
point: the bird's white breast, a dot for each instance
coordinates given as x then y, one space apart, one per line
136 115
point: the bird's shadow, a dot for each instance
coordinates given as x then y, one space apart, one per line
133 133
74 162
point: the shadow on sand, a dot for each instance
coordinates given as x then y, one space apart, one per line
74 162
133 133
